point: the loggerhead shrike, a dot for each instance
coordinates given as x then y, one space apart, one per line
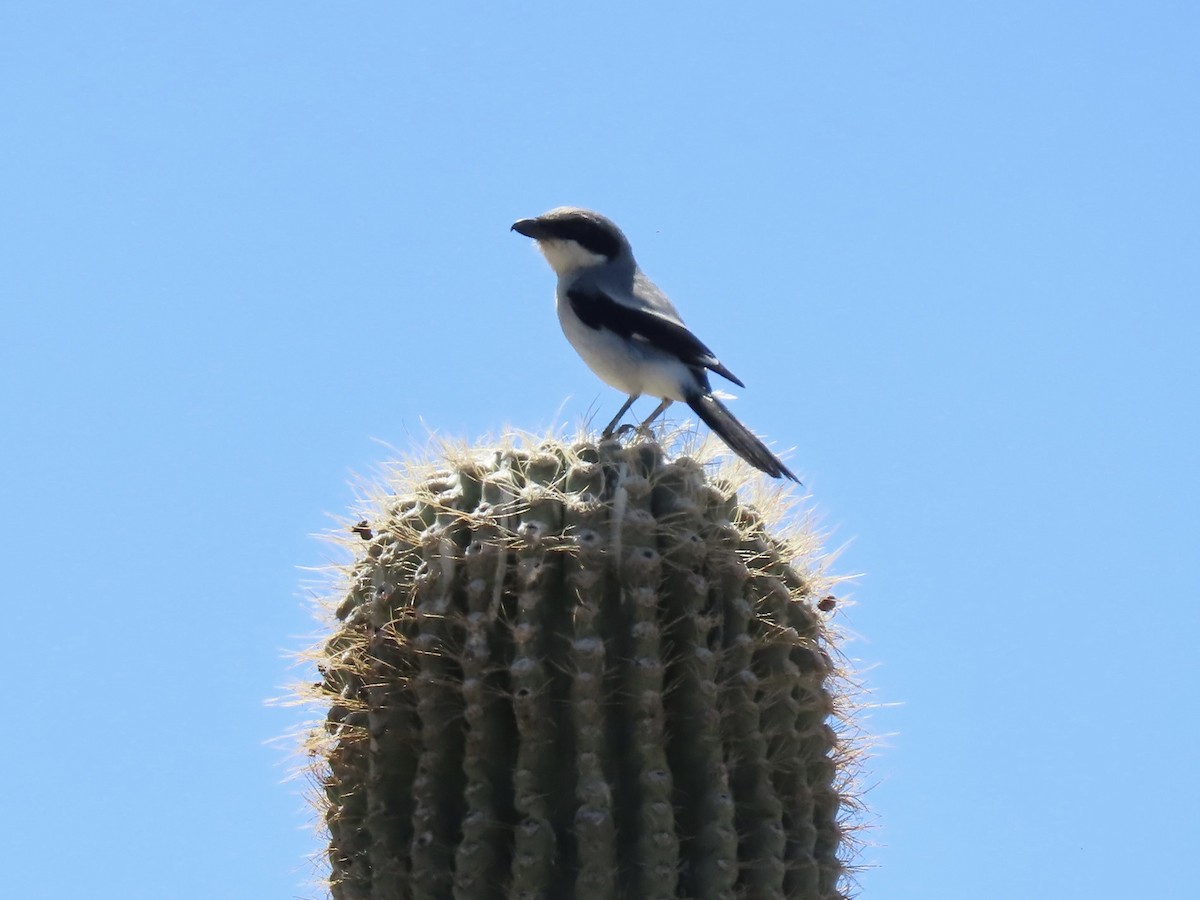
629 333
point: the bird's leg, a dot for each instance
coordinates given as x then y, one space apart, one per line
644 428
608 429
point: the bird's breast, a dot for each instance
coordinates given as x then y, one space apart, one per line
630 366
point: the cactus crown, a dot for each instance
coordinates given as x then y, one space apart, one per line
579 671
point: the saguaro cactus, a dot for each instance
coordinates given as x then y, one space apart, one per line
578 672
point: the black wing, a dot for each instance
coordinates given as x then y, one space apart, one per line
597 310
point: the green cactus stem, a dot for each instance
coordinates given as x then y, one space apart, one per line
582 672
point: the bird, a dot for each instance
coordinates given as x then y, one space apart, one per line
628 331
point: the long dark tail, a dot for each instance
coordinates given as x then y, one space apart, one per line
741 440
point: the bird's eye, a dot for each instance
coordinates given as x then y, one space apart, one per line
591 236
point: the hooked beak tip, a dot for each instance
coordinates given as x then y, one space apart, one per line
527 227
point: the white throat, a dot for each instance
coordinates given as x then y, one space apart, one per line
566 256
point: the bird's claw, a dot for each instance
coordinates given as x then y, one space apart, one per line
638 431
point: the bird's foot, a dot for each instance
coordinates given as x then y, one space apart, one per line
640 432
619 433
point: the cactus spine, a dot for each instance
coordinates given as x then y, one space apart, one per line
578 672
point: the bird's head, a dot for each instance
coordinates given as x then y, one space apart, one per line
573 239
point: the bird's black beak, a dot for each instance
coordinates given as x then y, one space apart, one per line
528 227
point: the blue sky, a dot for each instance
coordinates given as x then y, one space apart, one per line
951 248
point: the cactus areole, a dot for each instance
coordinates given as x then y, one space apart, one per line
578 672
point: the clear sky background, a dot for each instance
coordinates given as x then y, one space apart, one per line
951 248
